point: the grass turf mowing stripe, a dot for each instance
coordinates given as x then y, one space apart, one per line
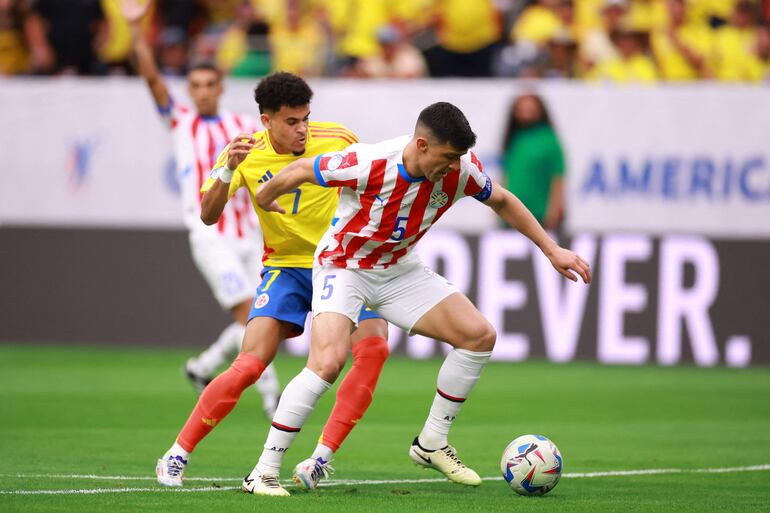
351 482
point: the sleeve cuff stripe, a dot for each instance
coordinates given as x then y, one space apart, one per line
317 170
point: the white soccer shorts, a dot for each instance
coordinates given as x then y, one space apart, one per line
401 294
230 267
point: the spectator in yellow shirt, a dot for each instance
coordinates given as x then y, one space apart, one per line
588 15
632 63
397 58
244 50
711 11
23 45
468 32
597 45
735 51
682 48
354 25
647 15
537 23
298 45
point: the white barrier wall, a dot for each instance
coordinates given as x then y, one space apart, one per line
684 159
668 199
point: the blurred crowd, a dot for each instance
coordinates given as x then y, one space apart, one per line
601 40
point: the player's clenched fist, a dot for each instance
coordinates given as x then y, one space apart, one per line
238 148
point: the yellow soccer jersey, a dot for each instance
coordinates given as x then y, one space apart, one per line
290 238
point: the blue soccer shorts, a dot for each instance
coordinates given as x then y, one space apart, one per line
286 294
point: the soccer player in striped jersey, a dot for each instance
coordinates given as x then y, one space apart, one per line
229 254
284 296
392 193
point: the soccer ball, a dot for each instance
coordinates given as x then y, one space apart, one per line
531 465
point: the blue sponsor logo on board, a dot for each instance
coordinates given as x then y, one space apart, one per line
678 178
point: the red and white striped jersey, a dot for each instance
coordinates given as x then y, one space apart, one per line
383 211
197 142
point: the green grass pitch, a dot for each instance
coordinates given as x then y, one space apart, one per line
70 413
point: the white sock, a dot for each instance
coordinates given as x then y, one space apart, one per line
297 403
458 375
323 452
269 388
176 450
220 352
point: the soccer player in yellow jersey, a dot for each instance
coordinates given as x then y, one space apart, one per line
283 298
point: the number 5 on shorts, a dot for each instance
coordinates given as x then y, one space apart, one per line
328 287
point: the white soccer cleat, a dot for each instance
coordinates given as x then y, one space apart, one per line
258 483
170 470
308 473
445 461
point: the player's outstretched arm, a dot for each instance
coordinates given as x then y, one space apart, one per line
133 11
513 212
292 176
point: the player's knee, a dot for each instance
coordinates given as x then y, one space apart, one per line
330 364
246 370
380 329
483 338
371 328
489 338
375 348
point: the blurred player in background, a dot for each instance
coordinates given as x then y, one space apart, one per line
392 193
283 298
229 254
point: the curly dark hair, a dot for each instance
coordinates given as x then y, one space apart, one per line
281 89
448 124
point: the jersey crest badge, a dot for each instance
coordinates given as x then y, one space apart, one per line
339 161
438 199
334 162
261 300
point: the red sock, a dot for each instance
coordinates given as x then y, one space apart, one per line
355 392
219 398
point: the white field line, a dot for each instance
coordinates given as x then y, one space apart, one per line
349 482
95 491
